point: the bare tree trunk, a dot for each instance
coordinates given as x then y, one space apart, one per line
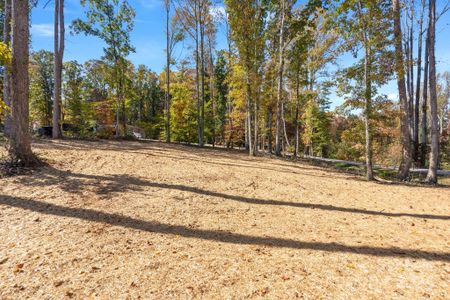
118 101
256 126
278 137
434 153
211 89
121 88
230 124
58 65
202 76
297 109
20 146
400 69
270 138
424 123
284 127
419 74
7 71
411 71
367 95
197 71
368 114
167 102
249 137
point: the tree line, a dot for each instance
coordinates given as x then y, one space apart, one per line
268 91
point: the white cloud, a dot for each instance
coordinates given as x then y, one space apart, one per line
43 30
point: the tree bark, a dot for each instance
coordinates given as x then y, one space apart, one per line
404 119
270 138
368 114
248 127
419 75
7 71
434 153
59 31
367 95
197 72
168 50
297 110
424 123
202 76
278 134
20 146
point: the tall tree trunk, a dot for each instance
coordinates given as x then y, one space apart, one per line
211 90
256 126
249 137
411 71
297 110
202 76
278 134
270 121
434 153
400 69
118 96
7 71
168 52
122 100
424 123
283 120
368 114
197 77
367 94
419 74
59 31
20 147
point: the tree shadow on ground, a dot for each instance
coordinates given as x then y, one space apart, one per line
108 185
213 235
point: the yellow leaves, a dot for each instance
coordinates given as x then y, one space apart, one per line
351 266
5 54
5 59
3 107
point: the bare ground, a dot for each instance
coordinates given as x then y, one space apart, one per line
119 220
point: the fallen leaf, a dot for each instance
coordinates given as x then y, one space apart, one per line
3 260
58 283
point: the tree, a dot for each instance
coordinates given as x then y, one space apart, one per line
112 26
282 18
20 146
77 110
193 19
221 70
59 36
404 109
363 23
247 22
42 86
434 152
173 36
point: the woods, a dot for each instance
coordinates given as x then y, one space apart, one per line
273 89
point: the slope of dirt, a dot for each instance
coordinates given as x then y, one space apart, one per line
129 220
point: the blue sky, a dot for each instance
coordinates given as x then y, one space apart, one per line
148 37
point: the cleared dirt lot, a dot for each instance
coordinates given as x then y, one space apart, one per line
118 220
